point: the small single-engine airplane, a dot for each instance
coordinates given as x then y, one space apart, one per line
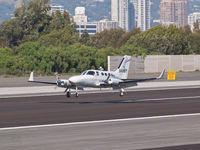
99 79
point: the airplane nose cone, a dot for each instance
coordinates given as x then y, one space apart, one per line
74 79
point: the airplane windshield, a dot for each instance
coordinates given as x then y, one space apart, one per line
84 73
91 73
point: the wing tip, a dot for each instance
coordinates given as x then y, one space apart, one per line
31 78
162 74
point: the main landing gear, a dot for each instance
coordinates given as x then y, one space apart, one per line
68 92
121 92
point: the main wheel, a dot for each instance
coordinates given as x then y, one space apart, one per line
76 94
68 94
121 92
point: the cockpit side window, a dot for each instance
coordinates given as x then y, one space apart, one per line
97 73
91 73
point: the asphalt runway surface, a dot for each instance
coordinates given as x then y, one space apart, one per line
167 133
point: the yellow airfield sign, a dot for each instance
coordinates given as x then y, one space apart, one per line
171 75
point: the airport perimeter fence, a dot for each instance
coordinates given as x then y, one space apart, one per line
155 63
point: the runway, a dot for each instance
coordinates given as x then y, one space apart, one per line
101 106
177 132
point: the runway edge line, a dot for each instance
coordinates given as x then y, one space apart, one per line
99 121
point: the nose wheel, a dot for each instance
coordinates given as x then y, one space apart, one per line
68 92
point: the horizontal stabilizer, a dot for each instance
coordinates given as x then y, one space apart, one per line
31 79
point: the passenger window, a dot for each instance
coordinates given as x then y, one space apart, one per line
91 73
106 74
97 73
112 75
102 74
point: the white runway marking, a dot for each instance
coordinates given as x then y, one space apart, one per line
100 121
163 99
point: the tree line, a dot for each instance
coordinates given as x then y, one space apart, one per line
46 43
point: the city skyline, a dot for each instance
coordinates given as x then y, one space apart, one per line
96 14
123 12
174 12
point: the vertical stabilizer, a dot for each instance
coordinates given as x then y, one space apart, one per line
123 69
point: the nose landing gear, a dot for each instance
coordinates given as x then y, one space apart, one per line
68 92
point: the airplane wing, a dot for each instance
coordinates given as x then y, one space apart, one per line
133 82
31 79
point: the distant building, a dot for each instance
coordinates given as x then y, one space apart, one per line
54 8
91 27
81 22
174 12
115 10
106 24
143 14
192 18
80 15
122 11
135 4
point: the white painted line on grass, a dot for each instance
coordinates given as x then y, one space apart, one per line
100 121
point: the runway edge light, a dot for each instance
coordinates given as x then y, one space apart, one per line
171 75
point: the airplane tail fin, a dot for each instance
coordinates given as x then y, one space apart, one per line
123 69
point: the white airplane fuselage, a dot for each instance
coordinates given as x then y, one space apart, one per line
94 78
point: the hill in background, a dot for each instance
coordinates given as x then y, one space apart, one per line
95 9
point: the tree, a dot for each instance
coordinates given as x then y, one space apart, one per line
161 39
126 36
194 43
107 38
187 29
196 27
85 38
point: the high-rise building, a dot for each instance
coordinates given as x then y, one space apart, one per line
91 27
143 14
81 22
135 5
122 11
80 15
174 12
123 14
192 18
115 10
106 24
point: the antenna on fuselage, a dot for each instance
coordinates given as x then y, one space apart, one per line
101 68
57 76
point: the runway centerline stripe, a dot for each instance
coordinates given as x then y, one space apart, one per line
100 121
